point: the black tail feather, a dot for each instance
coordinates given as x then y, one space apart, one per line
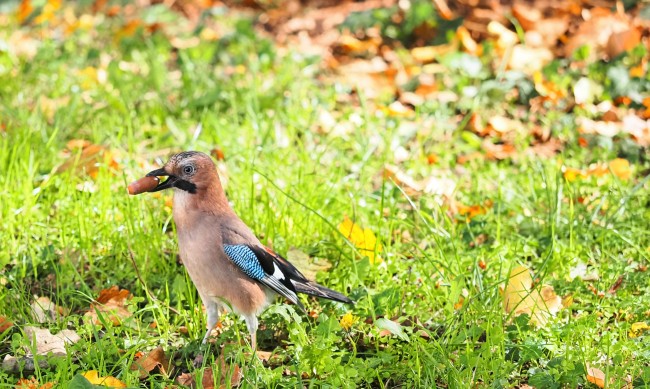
314 289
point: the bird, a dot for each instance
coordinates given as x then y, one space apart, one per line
225 260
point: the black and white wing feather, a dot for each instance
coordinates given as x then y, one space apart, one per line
262 268
264 265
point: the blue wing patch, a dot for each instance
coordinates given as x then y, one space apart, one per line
246 260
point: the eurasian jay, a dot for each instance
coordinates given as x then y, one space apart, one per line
225 260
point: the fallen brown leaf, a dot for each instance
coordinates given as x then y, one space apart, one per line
44 310
87 159
32 383
595 376
229 377
155 359
111 303
5 324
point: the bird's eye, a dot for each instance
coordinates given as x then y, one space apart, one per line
188 169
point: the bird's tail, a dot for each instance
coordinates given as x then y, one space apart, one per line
314 289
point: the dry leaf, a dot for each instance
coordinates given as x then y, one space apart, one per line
638 128
5 324
397 109
32 383
111 304
156 358
44 343
93 377
622 41
44 310
529 59
595 376
25 9
502 125
471 211
363 239
48 10
88 160
47 343
498 151
308 266
596 32
521 298
430 53
441 187
505 37
208 379
599 127
468 44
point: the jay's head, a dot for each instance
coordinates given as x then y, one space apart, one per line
190 171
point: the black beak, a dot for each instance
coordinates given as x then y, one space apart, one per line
168 183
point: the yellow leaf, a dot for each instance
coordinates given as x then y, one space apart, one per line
431 53
621 168
110 381
48 11
347 321
467 42
520 297
363 239
637 329
572 174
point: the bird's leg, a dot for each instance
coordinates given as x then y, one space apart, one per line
213 317
212 309
251 323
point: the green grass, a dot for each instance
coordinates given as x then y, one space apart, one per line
293 183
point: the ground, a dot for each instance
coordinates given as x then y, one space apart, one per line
430 183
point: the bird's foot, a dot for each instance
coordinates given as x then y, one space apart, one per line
198 360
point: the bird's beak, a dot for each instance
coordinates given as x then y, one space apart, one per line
168 183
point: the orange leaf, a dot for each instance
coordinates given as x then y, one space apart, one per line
471 211
156 358
621 168
110 302
88 160
32 383
596 376
25 9
5 324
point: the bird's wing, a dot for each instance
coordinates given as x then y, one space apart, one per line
263 267
300 283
